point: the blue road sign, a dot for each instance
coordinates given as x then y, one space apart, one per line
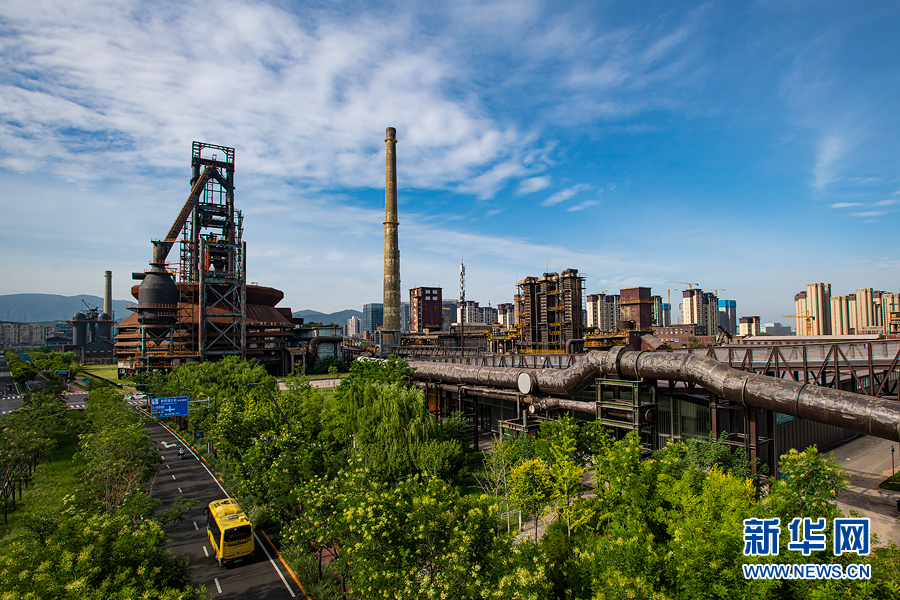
169 407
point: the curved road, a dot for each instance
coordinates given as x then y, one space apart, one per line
264 576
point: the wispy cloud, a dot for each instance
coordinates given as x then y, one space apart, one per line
563 195
887 202
869 213
831 150
845 204
533 184
582 205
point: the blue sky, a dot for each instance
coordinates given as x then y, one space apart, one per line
749 147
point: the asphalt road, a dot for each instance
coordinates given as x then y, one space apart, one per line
264 576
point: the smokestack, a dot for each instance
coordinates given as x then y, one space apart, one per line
107 295
391 248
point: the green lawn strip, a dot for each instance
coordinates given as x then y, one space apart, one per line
891 483
106 371
57 475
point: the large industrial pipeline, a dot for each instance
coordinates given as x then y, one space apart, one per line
868 415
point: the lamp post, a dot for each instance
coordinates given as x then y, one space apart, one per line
215 392
265 387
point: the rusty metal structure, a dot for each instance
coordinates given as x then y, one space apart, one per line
210 311
549 311
751 398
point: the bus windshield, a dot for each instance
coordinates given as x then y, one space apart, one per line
237 533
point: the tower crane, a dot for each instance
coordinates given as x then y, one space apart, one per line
690 285
717 290
809 319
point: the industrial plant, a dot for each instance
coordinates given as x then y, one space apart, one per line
199 307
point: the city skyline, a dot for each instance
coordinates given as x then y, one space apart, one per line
745 148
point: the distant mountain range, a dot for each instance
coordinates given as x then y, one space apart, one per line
338 318
51 307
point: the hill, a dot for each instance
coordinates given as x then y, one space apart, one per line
338 318
51 307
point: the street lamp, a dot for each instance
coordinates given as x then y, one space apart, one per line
265 387
215 390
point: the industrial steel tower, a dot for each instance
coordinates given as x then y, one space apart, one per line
391 321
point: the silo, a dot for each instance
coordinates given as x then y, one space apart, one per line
105 326
79 329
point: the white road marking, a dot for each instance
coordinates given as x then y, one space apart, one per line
205 551
168 467
258 541
195 526
173 477
179 491
218 587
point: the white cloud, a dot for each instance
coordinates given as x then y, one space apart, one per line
831 150
582 205
306 98
869 213
887 202
845 204
563 195
533 184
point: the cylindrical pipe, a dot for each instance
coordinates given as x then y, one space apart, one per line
391 245
863 414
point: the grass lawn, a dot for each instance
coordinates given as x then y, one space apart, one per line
106 371
56 476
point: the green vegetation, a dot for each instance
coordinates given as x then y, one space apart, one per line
110 372
363 486
86 529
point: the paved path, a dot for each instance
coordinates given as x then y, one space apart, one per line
867 460
263 577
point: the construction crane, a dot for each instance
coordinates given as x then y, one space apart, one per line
601 292
716 290
690 285
809 319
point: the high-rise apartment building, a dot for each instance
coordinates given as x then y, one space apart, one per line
728 315
506 314
354 327
701 309
657 312
814 303
425 305
603 311
749 326
840 317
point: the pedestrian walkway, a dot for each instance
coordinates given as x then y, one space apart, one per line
867 461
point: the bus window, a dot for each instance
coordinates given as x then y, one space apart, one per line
237 533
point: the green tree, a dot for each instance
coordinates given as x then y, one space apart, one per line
84 555
531 489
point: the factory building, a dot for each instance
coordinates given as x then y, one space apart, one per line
550 311
425 314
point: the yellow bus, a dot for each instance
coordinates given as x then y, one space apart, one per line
230 532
